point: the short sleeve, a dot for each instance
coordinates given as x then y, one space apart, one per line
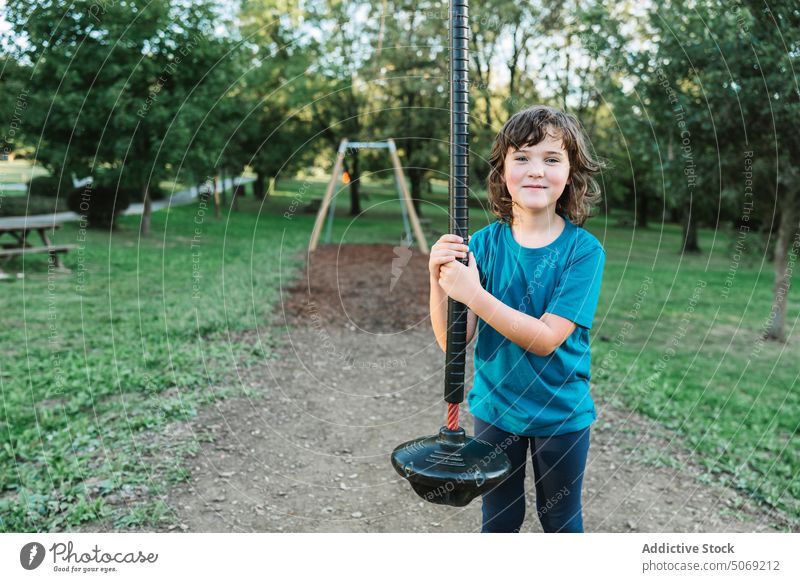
578 290
477 246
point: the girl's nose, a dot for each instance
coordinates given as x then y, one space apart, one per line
535 170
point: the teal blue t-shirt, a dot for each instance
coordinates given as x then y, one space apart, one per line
515 389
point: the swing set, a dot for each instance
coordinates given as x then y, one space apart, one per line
329 201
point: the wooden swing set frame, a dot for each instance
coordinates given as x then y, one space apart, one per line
330 195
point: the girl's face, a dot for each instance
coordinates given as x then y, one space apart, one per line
536 175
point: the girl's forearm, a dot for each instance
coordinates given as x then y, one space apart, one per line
526 331
438 307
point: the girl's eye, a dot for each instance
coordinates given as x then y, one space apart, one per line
524 159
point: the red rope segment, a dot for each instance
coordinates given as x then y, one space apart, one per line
452 416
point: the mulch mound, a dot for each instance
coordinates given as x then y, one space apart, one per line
375 288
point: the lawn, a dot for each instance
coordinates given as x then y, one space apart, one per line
677 339
135 337
141 334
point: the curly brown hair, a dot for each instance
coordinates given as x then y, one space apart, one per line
529 127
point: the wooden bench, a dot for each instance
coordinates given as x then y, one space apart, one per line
53 250
19 245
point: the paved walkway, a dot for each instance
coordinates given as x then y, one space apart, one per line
177 199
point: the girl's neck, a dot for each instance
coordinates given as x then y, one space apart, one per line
536 224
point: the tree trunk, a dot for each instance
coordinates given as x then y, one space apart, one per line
642 208
222 188
484 83
355 185
259 186
415 176
234 193
787 247
689 221
217 203
565 86
238 189
144 226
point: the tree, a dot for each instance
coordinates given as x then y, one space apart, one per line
718 79
753 96
13 105
342 88
118 84
766 83
273 126
411 89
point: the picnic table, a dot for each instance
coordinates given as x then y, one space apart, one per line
16 241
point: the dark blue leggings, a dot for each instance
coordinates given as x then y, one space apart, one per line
558 466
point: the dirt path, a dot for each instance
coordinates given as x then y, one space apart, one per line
360 373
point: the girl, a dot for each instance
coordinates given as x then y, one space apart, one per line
531 286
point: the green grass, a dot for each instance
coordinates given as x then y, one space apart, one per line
97 361
691 357
91 375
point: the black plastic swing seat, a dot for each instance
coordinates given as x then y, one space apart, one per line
451 468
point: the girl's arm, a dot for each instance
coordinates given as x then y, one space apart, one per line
446 250
538 335
438 307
